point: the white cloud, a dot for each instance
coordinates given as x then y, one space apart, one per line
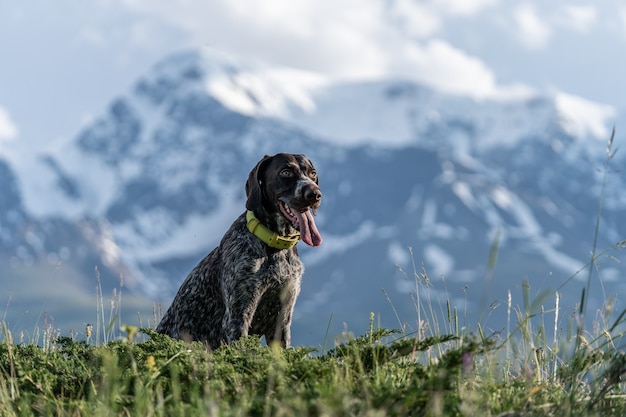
464 7
415 18
426 18
578 18
8 130
296 17
621 14
93 37
533 32
449 69
345 39
341 39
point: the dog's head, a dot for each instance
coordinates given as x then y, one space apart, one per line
283 190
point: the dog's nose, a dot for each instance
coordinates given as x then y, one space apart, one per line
312 194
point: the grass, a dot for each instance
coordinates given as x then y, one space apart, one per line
382 373
544 364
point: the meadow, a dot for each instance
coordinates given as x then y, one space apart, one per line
546 362
541 365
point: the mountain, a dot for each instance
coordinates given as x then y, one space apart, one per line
410 176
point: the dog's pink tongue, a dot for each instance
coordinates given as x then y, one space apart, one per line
308 230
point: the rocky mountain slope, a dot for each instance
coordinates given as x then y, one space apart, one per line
414 182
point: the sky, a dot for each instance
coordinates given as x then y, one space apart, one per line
62 62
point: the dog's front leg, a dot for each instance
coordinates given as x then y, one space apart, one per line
241 304
282 327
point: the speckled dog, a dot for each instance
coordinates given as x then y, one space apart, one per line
249 283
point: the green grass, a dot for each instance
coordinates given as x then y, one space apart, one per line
543 364
383 373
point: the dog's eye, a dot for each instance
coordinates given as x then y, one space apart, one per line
286 173
313 175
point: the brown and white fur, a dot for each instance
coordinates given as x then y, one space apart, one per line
244 286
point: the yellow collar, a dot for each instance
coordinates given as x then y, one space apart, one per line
268 237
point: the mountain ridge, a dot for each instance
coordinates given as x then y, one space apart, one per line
160 177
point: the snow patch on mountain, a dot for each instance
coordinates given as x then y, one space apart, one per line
432 228
266 92
157 235
565 263
584 118
439 261
313 303
8 129
81 186
398 254
335 245
364 113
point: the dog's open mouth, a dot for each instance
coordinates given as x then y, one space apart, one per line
303 221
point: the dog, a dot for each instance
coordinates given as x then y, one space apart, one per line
248 285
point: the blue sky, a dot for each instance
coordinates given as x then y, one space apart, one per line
62 62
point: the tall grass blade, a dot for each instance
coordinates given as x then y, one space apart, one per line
596 231
491 266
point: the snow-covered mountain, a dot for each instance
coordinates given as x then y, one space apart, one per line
149 187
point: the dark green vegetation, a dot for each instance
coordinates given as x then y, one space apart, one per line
381 373
546 362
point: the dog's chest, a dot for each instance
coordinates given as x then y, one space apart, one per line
279 267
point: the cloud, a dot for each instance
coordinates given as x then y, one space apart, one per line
533 32
621 14
426 18
93 37
416 19
343 39
336 39
464 7
448 69
578 18
8 130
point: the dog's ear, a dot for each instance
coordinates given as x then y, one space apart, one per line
254 192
